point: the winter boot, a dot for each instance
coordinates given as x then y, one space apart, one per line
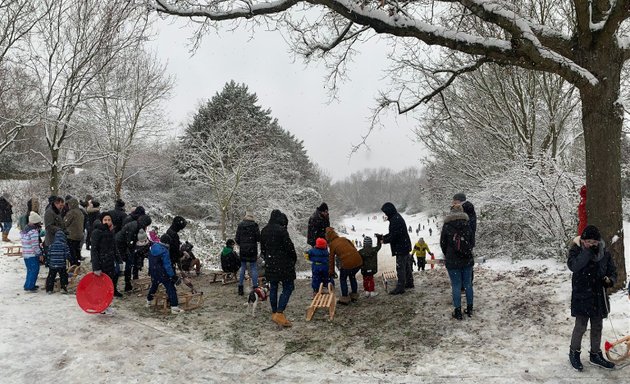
282 320
275 317
373 293
598 359
574 358
240 290
148 304
344 300
469 310
354 297
457 313
397 291
5 237
128 286
176 310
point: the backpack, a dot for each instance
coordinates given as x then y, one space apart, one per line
461 242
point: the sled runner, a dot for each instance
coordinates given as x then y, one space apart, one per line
618 350
187 301
13 250
323 300
75 273
388 275
223 277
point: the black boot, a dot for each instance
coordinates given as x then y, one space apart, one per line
240 290
574 358
128 286
598 359
469 310
117 294
457 313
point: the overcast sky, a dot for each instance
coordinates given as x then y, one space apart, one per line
295 93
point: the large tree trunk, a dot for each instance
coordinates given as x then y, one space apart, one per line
602 118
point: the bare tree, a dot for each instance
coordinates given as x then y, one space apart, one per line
126 110
583 41
72 44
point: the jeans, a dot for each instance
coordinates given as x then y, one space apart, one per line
287 289
32 269
170 290
344 275
52 274
253 273
579 329
461 277
6 226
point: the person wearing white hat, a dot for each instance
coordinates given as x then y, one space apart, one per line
32 251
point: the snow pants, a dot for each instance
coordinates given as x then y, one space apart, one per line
320 275
368 283
32 270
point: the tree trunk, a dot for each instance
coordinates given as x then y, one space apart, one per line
118 187
602 118
54 173
222 224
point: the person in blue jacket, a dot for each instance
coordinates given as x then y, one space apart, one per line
318 257
162 272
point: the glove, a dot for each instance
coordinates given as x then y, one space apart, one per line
97 273
607 282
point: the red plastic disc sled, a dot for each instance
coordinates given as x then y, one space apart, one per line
95 293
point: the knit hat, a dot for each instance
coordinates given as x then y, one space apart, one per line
321 243
34 218
165 239
459 197
142 238
323 207
367 242
591 233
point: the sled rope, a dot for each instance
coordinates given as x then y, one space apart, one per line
609 317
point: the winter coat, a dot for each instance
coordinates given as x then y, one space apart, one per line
319 256
277 249
128 235
398 237
316 227
6 210
118 216
230 262
370 260
589 269
134 215
73 221
177 225
53 222
247 238
160 267
455 222
421 249
58 252
30 241
94 214
343 249
103 248
469 209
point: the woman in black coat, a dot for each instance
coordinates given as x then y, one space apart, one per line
247 238
593 271
103 253
279 254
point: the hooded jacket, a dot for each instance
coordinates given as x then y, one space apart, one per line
128 235
587 283
53 222
160 267
103 253
177 225
277 249
118 215
74 221
58 252
344 250
398 237
247 238
230 261
6 210
370 260
30 241
316 227
455 222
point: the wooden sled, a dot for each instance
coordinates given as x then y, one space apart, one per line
223 277
323 300
75 273
387 276
187 301
618 350
12 250
433 262
141 285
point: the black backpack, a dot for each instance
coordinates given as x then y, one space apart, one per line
461 242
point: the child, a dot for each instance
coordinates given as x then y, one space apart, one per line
140 253
369 255
153 235
420 251
58 253
32 251
230 262
189 260
162 272
318 257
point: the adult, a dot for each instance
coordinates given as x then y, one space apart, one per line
593 271
134 214
126 240
6 212
178 224
74 223
32 205
53 221
247 238
118 215
317 224
279 254
31 251
103 253
455 244
93 215
400 244
469 209
350 262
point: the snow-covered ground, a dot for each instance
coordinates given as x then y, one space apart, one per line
519 334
